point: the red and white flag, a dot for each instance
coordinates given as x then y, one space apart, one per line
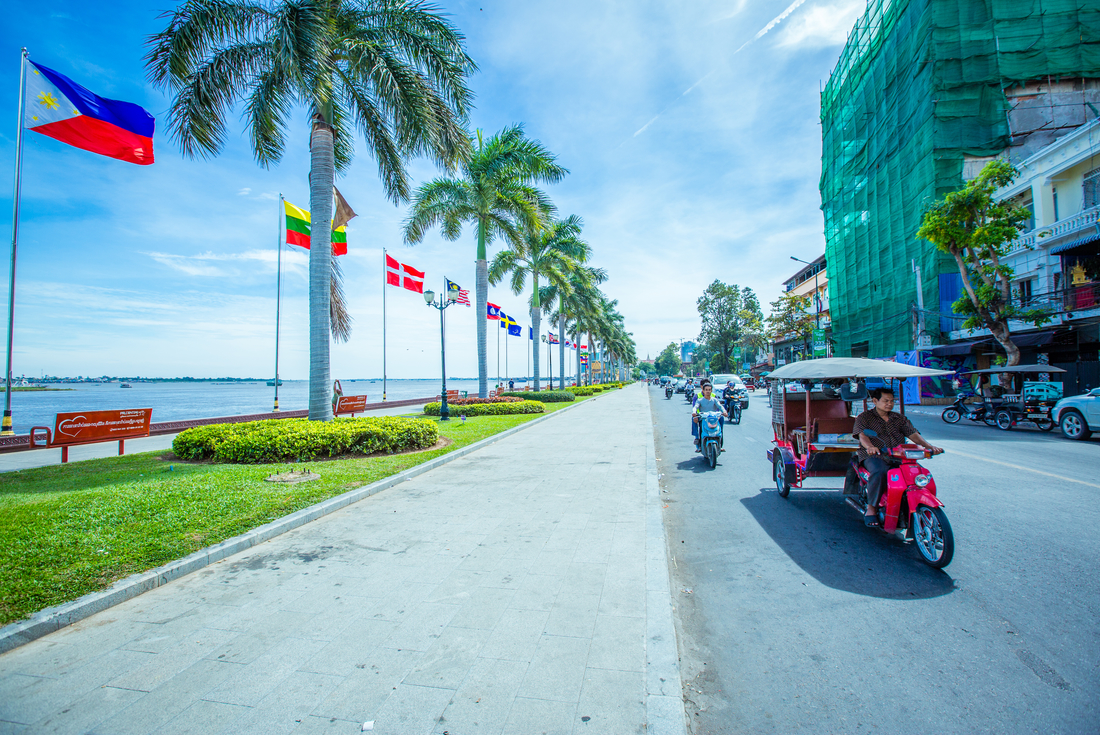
463 297
404 276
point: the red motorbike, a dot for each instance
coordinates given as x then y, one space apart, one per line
909 504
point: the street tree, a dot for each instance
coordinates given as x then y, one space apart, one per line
668 362
790 318
975 229
725 310
393 70
495 191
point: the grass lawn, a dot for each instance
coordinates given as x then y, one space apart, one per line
67 530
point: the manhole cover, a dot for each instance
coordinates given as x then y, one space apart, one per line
293 476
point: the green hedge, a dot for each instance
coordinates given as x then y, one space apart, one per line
543 396
473 401
582 390
280 440
488 409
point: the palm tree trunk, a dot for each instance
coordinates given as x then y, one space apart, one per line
577 340
591 356
482 287
322 176
561 345
536 315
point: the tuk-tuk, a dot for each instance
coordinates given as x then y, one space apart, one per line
1009 409
814 408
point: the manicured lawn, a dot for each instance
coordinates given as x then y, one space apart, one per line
68 530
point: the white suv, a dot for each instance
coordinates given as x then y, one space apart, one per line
719 382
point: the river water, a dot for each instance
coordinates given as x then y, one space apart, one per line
180 401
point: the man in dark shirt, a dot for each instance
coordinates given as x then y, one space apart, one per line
891 429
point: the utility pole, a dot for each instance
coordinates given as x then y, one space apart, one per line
922 336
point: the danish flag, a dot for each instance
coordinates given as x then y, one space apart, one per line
404 276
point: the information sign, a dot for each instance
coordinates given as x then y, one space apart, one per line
89 427
821 347
351 404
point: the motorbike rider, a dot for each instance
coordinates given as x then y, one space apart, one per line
891 429
704 404
728 392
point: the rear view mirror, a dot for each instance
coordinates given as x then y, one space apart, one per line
869 432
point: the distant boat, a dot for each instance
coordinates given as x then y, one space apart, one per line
272 382
126 385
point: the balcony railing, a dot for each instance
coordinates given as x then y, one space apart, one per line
1079 221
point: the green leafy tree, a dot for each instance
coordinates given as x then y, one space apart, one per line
975 229
753 339
543 252
494 190
393 70
790 318
720 309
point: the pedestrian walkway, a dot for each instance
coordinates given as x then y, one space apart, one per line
10 461
522 588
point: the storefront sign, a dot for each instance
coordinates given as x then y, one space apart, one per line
84 427
351 404
820 345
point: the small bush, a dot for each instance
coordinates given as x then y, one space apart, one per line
582 390
544 396
280 440
489 409
474 401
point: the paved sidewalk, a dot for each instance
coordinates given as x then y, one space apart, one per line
520 589
10 461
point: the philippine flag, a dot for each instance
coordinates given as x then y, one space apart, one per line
60 108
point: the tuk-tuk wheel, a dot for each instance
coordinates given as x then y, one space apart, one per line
1045 425
1004 420
781 483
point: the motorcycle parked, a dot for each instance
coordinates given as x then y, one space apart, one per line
710 436
909 503
960 409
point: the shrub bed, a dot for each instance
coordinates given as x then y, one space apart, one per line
543 396
475 401
280 440
582 390
489 409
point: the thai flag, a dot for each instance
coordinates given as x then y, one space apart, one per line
60 108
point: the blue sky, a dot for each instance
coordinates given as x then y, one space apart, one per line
690 130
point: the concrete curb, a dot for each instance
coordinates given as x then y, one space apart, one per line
51 619
665 713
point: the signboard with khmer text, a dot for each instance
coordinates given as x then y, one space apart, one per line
351 404
85 427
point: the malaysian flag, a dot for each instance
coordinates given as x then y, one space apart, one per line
461 295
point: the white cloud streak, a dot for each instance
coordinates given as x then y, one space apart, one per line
774 22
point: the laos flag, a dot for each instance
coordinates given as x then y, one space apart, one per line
60 108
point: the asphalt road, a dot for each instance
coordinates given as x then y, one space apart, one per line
793 617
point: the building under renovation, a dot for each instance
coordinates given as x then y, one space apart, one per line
924 93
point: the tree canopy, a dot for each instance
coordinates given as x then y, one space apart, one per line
668 362
731 318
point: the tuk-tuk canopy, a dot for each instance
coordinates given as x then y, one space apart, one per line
1016 369
844 368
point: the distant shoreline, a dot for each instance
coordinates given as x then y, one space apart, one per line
34 388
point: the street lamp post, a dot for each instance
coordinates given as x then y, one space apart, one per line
444 302
817 309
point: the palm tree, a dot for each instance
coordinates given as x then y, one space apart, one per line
395 70
541 252
583 281
495 190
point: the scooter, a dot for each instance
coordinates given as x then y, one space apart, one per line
668 390
689 393
960 409
710 436
733 408
908 503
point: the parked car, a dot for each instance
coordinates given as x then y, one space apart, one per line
1078 416
680 385
720 380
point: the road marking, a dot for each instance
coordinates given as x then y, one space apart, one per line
1026 469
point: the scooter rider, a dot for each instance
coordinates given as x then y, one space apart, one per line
728 392
891 430
704 404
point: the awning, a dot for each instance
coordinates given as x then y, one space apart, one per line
1065 248
961 348
1032 339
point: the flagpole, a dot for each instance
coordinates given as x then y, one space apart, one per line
278 292
6 425
498 357
384 279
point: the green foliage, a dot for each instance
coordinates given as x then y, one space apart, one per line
791 318
582 390
280 440
474 401
668 362
544 396
730 316
975 229
490 409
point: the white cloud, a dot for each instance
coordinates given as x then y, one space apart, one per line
244 192
826 24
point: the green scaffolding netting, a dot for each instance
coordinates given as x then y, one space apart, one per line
919 86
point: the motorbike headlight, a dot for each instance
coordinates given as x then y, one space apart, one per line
922 480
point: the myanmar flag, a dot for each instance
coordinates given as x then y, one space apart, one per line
297 230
